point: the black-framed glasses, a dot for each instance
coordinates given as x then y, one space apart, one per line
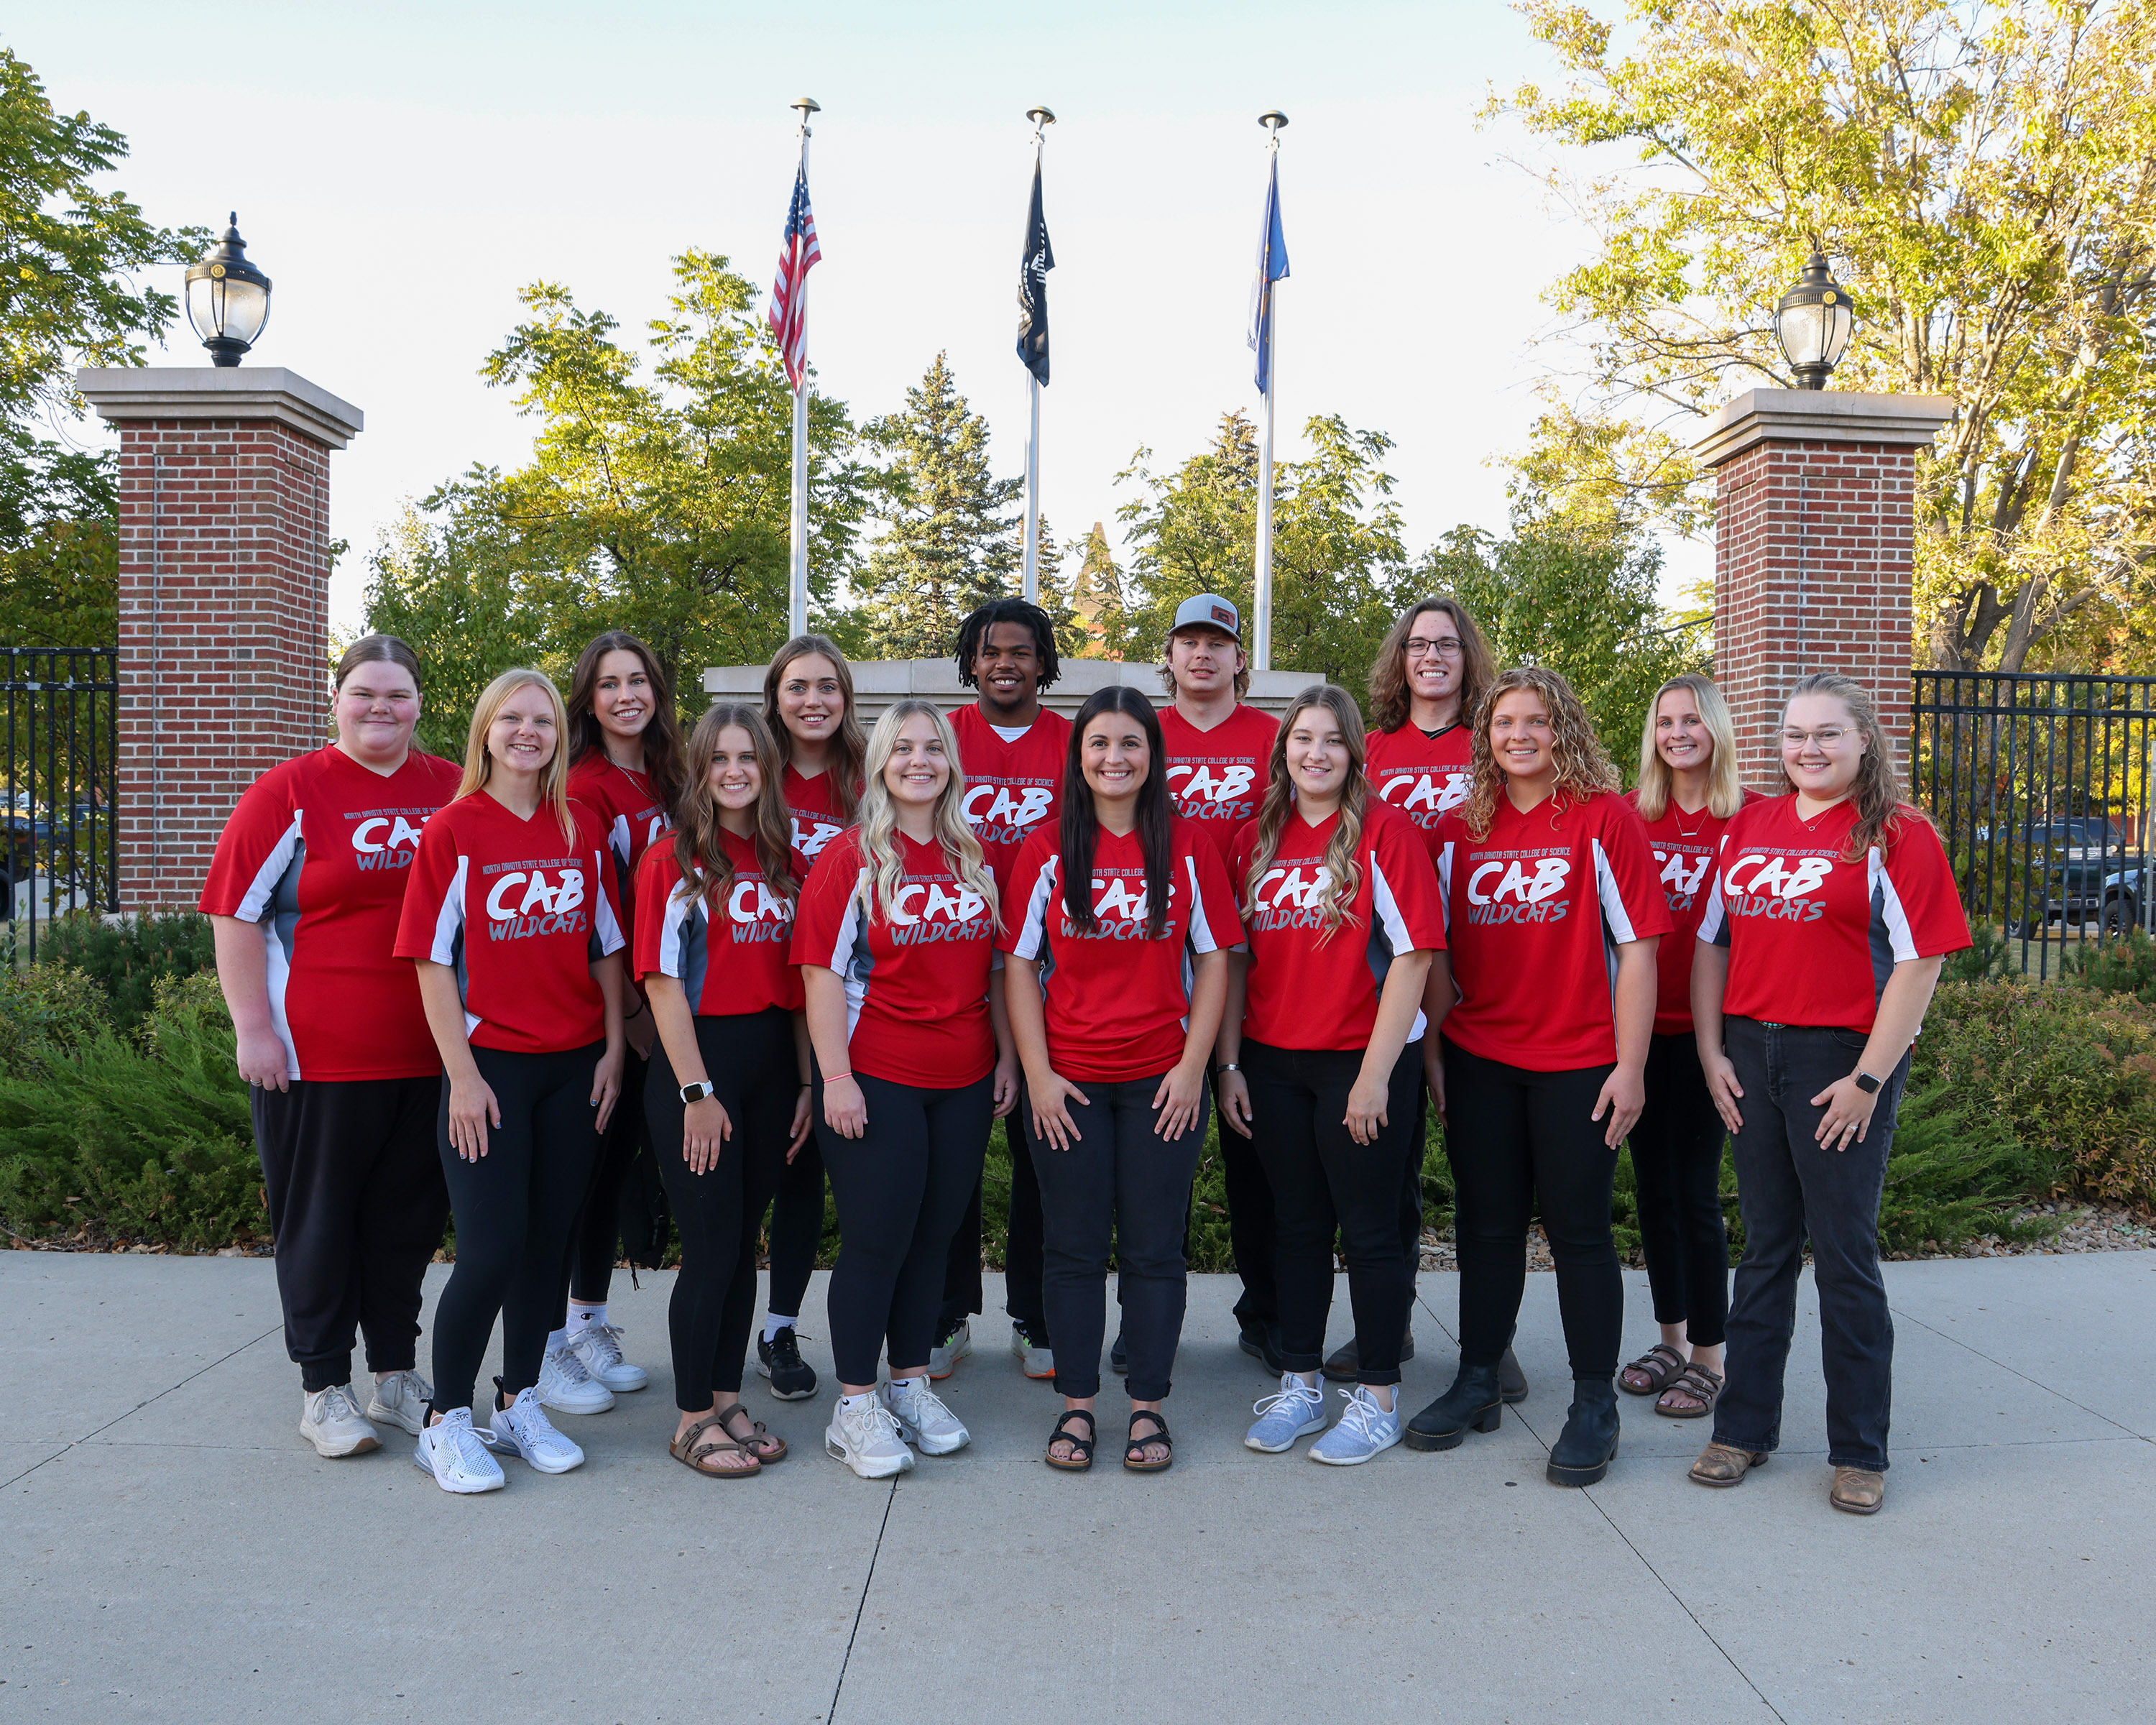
1445 647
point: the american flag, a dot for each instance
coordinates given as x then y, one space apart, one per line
789 283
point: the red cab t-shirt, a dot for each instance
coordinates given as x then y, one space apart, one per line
520 913
632 813
731 958
1683 847
1218 777
1421 776
917 980
1535 912
1812 936
813 806
1118 1003
316 852
1307 990
1011 788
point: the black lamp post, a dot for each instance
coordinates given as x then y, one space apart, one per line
1814 322
228 298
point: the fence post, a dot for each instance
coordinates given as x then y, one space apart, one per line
1813 550
224 493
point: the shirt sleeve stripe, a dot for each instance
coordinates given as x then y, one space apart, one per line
681 906
1202 937
449 917
602 916
1613 901
1445 884
1387 908
254 903
1033 921
1902 939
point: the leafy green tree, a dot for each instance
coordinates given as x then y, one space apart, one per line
1980 175
655 504
59 561
1093 594
952 538
1338 561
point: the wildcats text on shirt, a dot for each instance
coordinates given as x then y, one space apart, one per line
386 838
1502 887
544 906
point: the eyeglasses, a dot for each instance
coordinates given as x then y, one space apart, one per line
1445 647
1826 736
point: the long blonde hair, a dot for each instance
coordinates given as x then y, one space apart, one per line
1344 874
698 847
1877 793
554 778
1725 784
1583 766
880 814
848 748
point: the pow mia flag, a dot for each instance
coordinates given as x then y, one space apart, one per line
1032 287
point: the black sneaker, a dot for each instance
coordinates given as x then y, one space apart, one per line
1260 1339
1119 1356
793 1378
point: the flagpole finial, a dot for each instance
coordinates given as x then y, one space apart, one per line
807 105
1042 117
1273 119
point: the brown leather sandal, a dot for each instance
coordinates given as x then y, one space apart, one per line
1658 1365
697 1444
758 1440
1702 1383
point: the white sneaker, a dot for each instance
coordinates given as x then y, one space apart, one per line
867 1440
1365 1431
401 1399
944 1356
567 1387
329 1419
1038 1362
598 1346
923 1420
453 1453
524 1427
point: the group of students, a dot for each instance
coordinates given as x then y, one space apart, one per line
779 950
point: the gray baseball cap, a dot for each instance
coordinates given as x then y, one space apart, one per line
1208 610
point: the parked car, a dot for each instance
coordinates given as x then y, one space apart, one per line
2079 867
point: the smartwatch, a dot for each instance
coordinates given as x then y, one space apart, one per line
1866 1083
696 1092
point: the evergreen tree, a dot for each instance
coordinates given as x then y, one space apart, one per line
953 539
1095 600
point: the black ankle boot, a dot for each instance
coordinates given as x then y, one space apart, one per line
1589 1442
1474 1399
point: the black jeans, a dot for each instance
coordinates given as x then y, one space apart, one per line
1676 1159
1321 1181
1251 1225
357 1205
902 1188
595 1241
1790 1192
797 1229
750 1060
514 1207
1516 1138
1120 1179
1021 1249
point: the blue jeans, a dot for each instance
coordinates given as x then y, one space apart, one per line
1793 1192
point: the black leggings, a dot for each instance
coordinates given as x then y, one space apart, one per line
902 1188
1022 1248
357 1205
514 1207
797 1229
1321 1180
1516 1138
750 1060
1676 1157
595 1241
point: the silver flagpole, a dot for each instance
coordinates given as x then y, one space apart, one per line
796 584
1261 612
1042 119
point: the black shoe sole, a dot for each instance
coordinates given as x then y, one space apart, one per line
1487 1419
1583 1476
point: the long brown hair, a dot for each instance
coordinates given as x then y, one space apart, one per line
698 847
1583 766
661 735
1877 793
1389 705
850 745
1725 784
478 763
1343 874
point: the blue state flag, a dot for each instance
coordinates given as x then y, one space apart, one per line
1272 266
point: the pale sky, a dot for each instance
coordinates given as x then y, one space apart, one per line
400 171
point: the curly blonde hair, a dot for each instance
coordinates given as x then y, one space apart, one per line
1583 766
1343 875
879 815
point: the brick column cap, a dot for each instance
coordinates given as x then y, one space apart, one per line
121 393
1828 416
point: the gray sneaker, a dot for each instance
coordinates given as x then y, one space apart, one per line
923 1420
1365 1431
1038 1361
1297 1411
401 1399
944 1356
329 1420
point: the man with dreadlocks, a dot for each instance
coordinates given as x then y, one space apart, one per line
1012 751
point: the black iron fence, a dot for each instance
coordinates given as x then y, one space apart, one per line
62 847
2040 785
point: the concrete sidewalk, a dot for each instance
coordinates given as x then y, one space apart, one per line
172 1550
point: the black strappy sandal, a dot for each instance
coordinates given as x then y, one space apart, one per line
1081 1448
1135 1446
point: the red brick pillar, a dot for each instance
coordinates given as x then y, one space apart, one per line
1813 552
224 510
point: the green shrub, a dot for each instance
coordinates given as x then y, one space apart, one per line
1989 955
2126 966
128 958
48 1006
1958 1170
